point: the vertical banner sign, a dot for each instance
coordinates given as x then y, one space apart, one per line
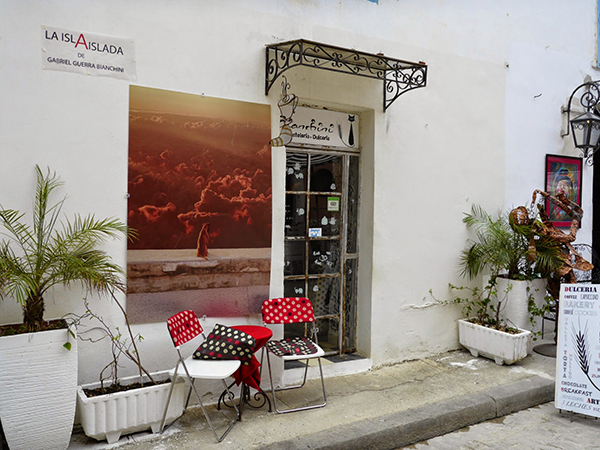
578 350
87 53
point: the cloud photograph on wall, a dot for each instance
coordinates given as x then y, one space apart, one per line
199 190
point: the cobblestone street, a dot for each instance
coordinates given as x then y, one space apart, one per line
538 428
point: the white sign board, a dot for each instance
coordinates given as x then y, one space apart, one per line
87 53
315 127
333 203
315 232
578 349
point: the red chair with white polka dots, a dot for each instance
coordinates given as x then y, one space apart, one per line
290 310
184 327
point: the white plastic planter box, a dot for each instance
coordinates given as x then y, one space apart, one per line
503 348
38 381
112 415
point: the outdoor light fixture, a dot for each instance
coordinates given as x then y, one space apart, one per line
586 127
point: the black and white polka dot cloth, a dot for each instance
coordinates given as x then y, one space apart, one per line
226 343
292 346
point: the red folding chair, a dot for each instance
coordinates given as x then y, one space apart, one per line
183 327
293 310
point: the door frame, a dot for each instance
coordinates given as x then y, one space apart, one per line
343 346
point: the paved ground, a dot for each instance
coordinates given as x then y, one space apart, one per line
539 428
385 408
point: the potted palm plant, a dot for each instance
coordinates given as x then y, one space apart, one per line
518 258
38 358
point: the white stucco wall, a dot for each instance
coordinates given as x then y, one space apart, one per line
477 133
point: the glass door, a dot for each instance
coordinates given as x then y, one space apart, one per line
321 254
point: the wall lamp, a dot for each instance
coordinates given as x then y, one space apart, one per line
586 127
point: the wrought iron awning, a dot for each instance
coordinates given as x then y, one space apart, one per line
398 76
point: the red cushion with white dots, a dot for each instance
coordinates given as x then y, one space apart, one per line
184 327
226 343
287 310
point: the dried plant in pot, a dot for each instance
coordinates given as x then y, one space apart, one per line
34 258
138 402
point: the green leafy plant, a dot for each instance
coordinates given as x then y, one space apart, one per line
538 312
510 250
502 248
51 252
507 249
481 306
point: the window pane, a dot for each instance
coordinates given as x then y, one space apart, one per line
323 257
295 257
296 172
353 187
324 293
325 214
350 305
295 215
329 332
293 288
326 173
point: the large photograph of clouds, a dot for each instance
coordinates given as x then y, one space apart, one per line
199 190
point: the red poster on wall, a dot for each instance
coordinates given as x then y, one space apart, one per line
200 198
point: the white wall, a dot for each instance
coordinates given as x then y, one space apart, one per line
534 120
477 133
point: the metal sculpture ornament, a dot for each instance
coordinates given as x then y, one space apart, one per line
287 107
544 228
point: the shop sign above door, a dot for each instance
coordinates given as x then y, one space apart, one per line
322 128
87 53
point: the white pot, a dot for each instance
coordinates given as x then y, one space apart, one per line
503 348
111 415
515 306
38 383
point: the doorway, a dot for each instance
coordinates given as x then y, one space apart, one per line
321 241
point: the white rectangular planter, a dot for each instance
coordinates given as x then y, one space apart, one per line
503 348
111 415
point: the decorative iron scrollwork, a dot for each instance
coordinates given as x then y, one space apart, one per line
401 80
246 398
398 76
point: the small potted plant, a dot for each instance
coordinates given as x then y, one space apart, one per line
482 331
38 358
